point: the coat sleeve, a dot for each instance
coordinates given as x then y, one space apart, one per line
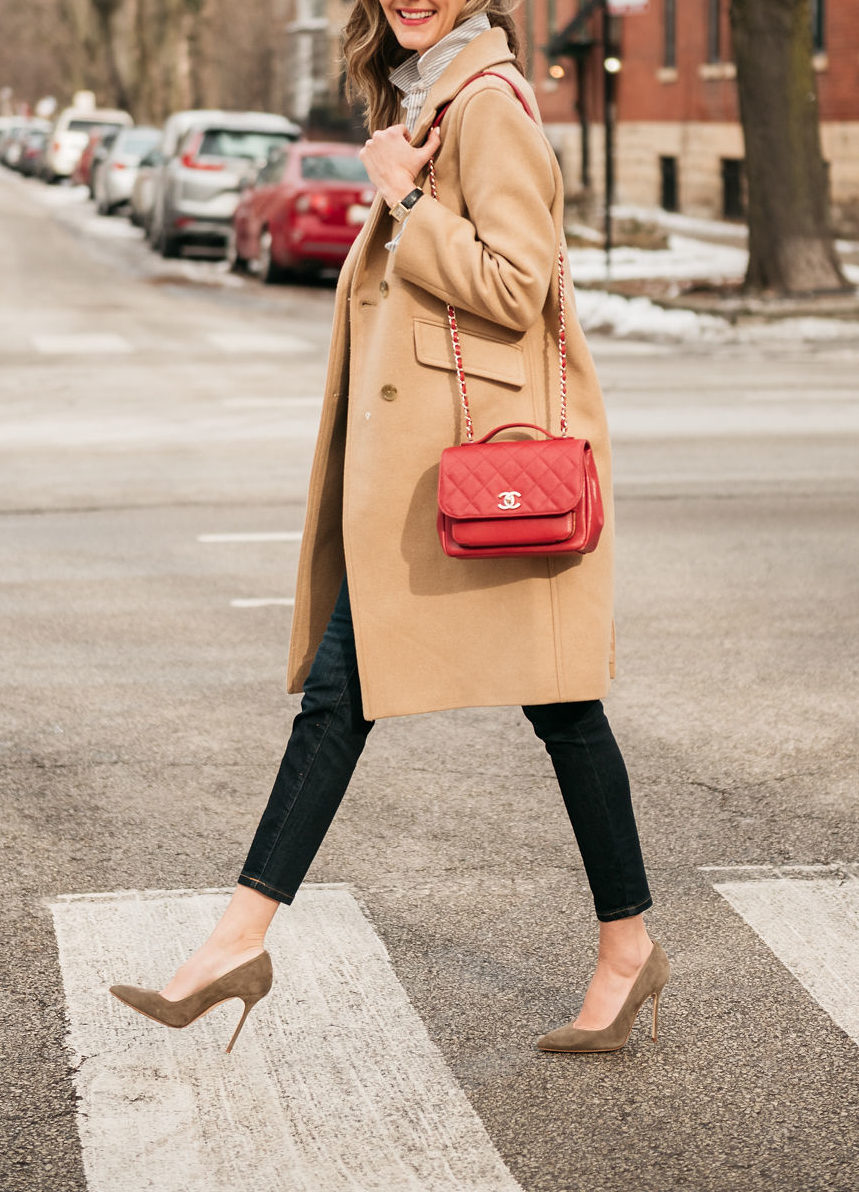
497 260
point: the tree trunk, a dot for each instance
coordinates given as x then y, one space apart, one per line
105 11
791 246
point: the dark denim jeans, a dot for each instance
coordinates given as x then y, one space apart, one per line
329 734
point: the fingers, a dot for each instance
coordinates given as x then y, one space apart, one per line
428 148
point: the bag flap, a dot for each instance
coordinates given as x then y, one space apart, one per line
515 478
482 356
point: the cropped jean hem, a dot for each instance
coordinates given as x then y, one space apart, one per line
625 912
256 883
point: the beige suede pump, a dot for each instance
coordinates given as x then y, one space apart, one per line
250 981
649 983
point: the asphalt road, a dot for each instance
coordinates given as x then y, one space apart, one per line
144 404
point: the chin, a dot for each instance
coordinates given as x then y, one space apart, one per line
420 38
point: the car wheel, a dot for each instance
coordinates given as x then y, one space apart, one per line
268 269
103 208
169 246
237 264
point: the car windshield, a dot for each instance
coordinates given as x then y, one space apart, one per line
245 144
334 167
91 126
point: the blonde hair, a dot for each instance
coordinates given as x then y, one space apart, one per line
371 52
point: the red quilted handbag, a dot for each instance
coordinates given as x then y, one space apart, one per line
519 496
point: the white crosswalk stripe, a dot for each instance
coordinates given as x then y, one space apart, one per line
809 917
334 1083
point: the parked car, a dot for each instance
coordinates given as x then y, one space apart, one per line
70 135
197 187
114 178
143 188
13 136
175 129
33 146
11 128
94 152
304 210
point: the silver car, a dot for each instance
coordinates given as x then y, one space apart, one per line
197 189
143 190
114 181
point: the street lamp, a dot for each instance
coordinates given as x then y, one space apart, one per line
574 41
611 68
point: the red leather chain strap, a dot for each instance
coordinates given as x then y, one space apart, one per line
451 313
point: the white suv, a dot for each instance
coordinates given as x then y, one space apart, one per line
70 135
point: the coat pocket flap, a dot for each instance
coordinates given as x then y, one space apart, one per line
482 356
526 478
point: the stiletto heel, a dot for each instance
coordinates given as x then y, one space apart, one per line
655 1013
249 1005
649 983
250 981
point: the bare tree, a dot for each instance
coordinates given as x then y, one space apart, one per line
791 244
105 12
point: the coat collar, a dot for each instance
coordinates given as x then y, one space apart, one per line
486 50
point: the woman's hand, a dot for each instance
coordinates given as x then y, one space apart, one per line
393 163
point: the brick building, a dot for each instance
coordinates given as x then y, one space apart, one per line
679 142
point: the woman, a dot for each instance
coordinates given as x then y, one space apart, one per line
414 630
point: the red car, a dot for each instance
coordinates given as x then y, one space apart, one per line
304 210
93 155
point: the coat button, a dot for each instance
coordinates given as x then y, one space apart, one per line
389 392
384 288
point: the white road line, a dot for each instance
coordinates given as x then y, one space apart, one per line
251 342
811 923
252 536
334 1084
262 601
81 344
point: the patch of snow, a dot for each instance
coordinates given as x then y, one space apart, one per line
60 195
639 318
682 223
111 228
684 258
601 313
692 225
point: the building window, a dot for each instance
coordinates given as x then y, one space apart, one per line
733 188
669 32
714 31
668 183
818 26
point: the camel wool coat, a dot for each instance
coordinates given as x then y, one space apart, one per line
434 632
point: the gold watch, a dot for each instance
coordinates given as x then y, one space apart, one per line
400 210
